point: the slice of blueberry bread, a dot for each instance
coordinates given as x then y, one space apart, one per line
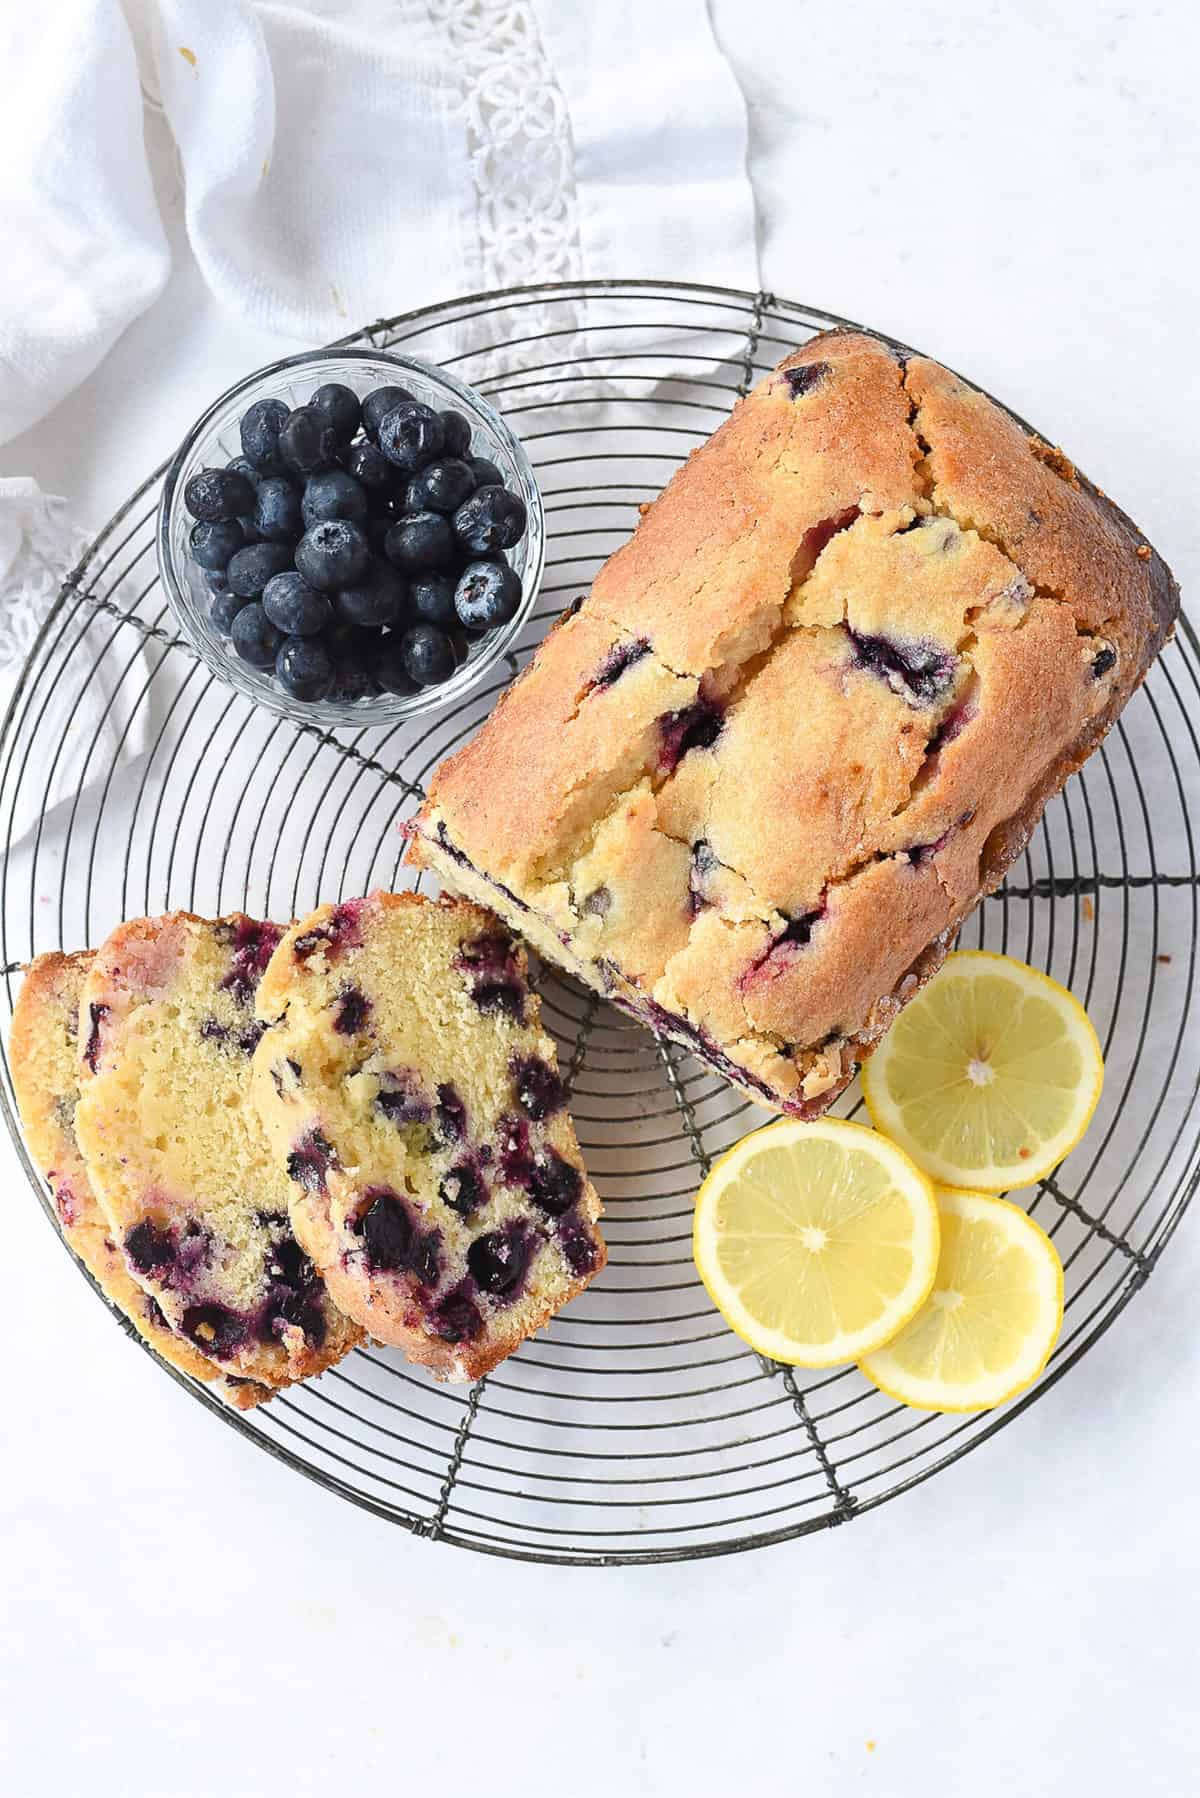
415 1100
751 785
177 1156
44 1058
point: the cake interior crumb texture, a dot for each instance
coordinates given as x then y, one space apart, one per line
44 1056
750 786
410 1090
176 1153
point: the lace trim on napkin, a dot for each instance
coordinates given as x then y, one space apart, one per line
519 136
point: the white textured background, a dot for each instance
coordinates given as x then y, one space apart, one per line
1012 187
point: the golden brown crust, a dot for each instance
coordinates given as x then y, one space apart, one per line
42 1058
899 622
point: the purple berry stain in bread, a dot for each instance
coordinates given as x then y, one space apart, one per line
253 945
622 657
150 1247
802 380
400 1098
490 967
353 1010
538 1088
457 1318
341 930
499 1261
598 903
215 1329
695 726
310 1161
578 1245
463 1189
1104 661
295 1295
555 1185
923 669
392 1240
96 1017
65 1203
450 1115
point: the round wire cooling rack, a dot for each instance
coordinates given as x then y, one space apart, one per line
636 1428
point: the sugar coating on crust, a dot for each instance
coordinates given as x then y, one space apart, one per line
44 1056
177 1156
806 716
412 1094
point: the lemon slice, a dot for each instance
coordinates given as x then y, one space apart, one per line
989 1077
986 1330
817 1242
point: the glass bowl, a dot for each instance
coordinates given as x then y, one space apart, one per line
213 441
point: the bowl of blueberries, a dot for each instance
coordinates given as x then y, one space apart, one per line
350 537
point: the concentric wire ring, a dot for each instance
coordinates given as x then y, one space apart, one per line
636 1428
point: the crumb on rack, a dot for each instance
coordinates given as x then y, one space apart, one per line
1087 908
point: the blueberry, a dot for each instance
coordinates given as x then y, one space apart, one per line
555 1184
377 525
411 436
215 1329
456 434
307 440
339 406
217 493
457 1318
451 1114
251 568
378 404
539 1089
487 594
499 1261
304 668
259 431
431 600
355 656
389 666
277 511
387 1232
212 545
424 540
250 530
354 1008
150 1248
333 494
223 610
243 465
486 473
216 580
375 600
462 1189
255 638
369 466
441 486
493 518
294 607
333 554
428 655
310 1161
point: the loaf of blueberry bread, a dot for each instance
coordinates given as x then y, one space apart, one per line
177 1157
415 1102
44 1058
750 786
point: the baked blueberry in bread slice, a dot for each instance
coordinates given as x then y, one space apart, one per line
415 1101
751 785
44 1057
177 1156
